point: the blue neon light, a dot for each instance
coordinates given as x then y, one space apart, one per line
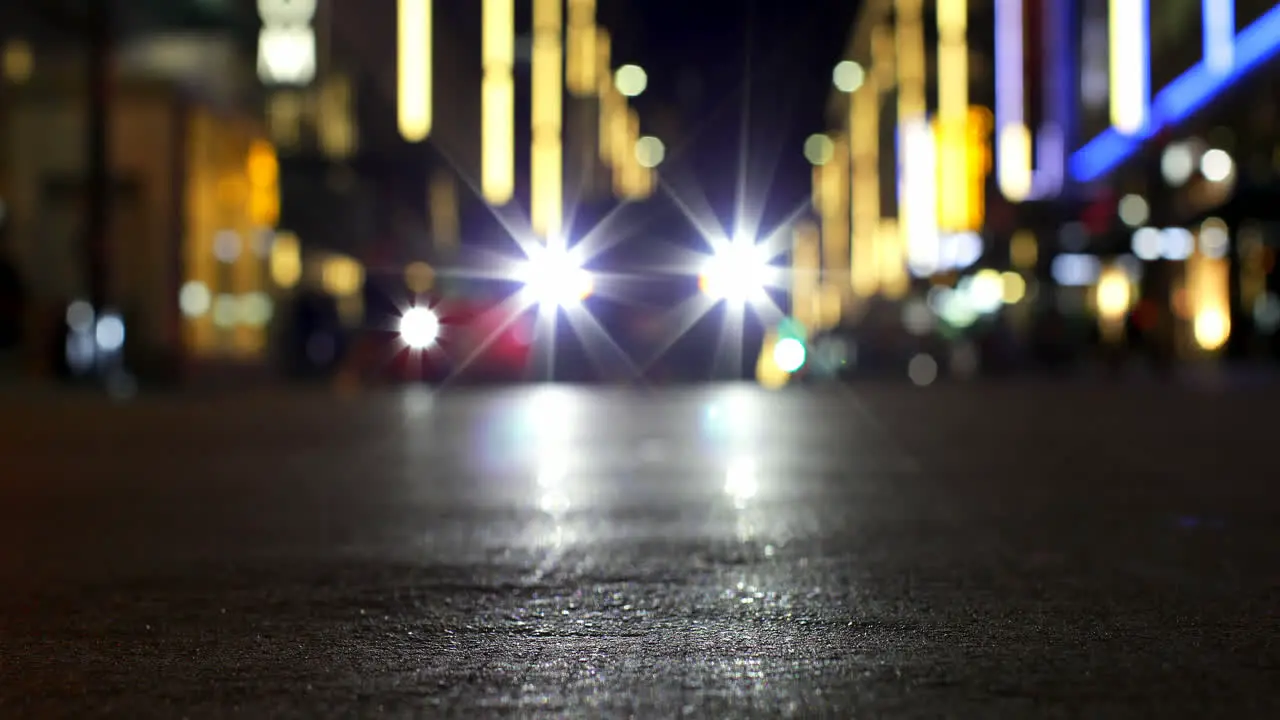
1181 99
1219 33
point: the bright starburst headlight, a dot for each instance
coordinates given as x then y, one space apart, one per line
738 273
554 277
419 328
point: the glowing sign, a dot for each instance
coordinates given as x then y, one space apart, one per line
1129 44
1219 35
287 42
964 160
1024 172
497 102
1191 91
917 197
413 69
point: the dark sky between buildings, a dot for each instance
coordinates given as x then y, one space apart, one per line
717 59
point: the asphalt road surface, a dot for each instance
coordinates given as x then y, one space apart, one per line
1016 550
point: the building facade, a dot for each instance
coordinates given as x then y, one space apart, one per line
182 139
1114 151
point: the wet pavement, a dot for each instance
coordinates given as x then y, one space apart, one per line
1020 550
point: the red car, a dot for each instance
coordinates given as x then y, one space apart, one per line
447 338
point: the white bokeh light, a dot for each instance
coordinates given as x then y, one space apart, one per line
1177 164
1216 165
819 149
848 76
1133 210
419 328
789 354
194 299
650 152
109 333
631 80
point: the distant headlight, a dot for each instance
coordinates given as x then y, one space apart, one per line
738 273
554 277
419 328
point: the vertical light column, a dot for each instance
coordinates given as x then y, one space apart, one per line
610 98
200 335
413 69
1128 42
836 217
1013 137
911 60
497 102
805 259
547 166
580 62
631 176
1219 35
1208 283
1051 138
953 58
917 198
864 120
951 138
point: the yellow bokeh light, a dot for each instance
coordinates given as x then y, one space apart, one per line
342 276
1113 295
1014 287
419 277
262 167
1024 250
19 61
286 260
1212 328
768 373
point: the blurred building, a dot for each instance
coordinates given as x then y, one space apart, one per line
1115 161
189 176
1174 162
903 181
443 190
259 152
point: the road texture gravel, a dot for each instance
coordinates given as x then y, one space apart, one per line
1024 549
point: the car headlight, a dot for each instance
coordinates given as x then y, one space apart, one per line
419 328
738 273
554 277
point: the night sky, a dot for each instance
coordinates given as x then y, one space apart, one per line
716 58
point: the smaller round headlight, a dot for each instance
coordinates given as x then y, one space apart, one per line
419 328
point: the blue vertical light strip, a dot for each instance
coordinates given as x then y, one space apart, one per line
901 162
1180 99
1219 18
1056 70
1010 67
